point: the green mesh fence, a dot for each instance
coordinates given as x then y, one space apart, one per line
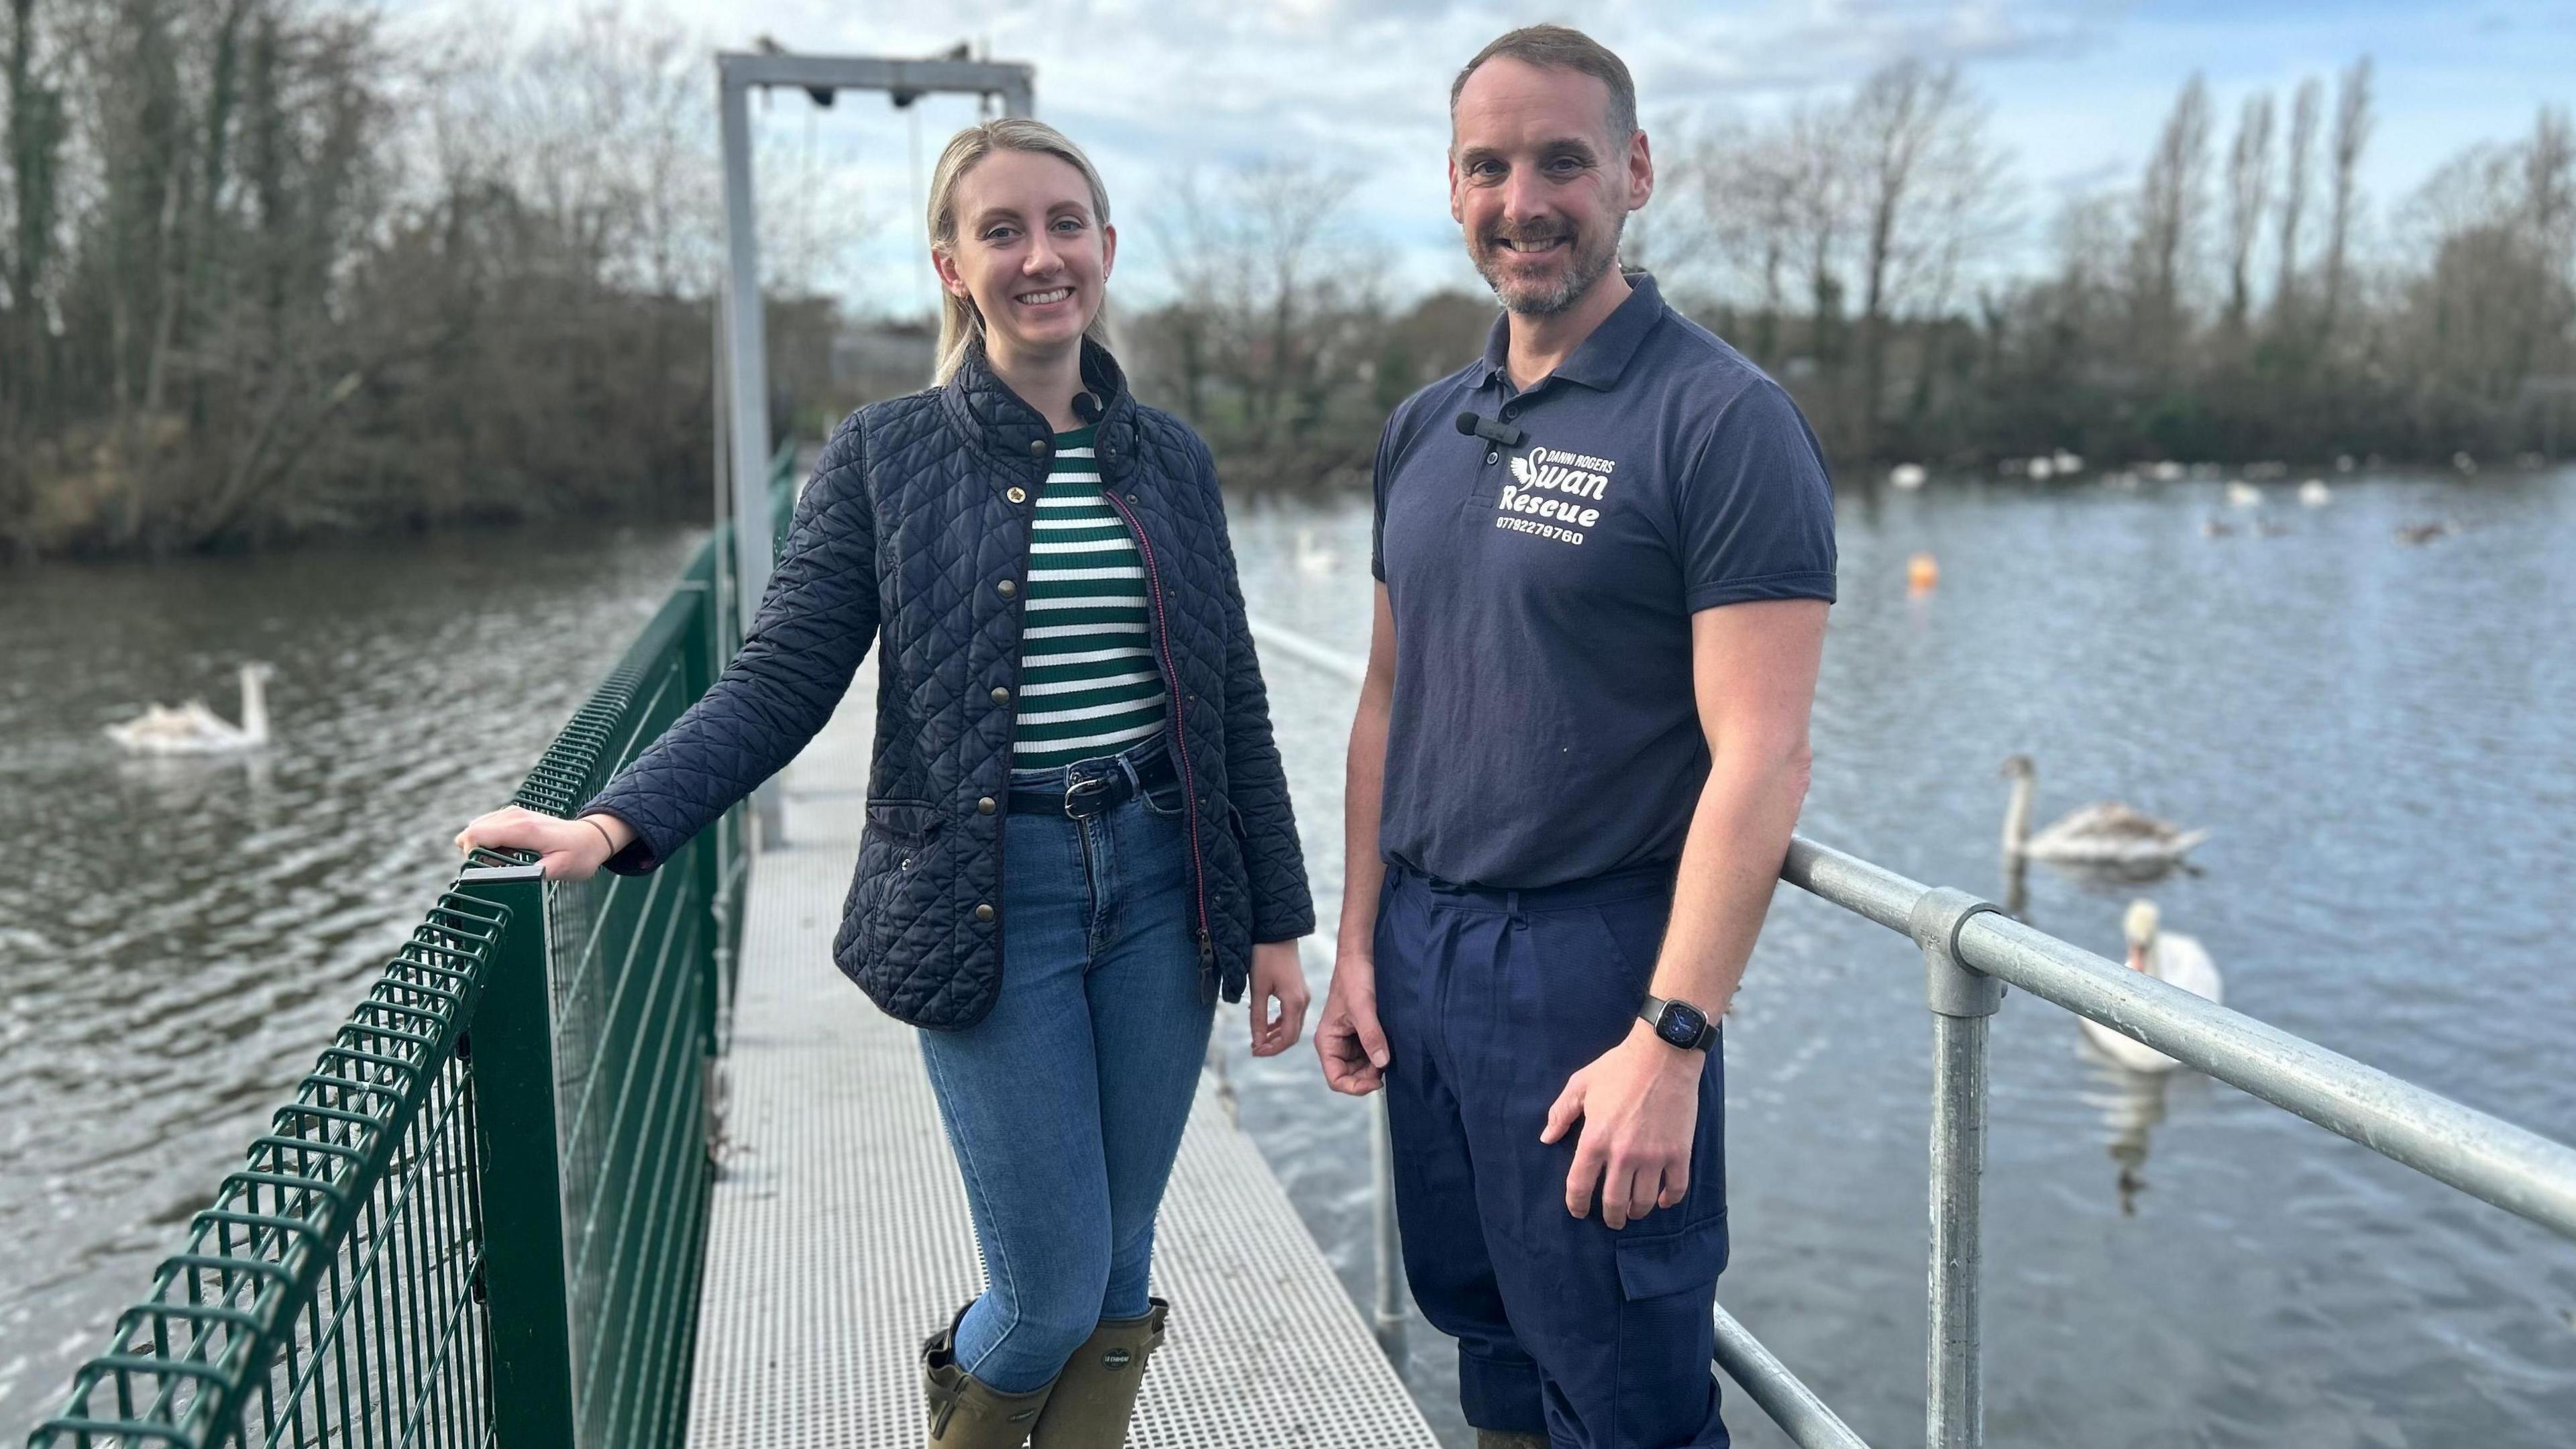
481 1219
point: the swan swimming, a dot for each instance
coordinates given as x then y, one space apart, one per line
193 729
2170 957
2107 834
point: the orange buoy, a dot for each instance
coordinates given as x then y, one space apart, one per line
1922 572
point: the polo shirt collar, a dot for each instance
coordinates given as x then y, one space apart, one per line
1599 359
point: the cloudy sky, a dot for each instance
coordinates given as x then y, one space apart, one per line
1154 88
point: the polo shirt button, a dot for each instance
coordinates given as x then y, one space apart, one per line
983 911
1001 695
1493 457
1510 411
984 806
1018 495
1007 588
1037 447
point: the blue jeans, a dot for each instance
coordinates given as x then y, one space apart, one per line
1065 1105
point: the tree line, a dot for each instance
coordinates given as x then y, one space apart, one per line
271 269
2229 305
266 273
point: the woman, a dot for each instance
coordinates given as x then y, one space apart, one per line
1078 835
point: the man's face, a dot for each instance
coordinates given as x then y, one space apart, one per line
1538 184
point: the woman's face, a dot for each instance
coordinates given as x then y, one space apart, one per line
1029 252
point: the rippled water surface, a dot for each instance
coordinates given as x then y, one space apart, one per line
2376 734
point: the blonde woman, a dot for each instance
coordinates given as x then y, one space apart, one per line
1078 836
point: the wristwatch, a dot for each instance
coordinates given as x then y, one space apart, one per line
1679 1023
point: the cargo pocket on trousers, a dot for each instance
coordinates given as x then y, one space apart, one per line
1668 1263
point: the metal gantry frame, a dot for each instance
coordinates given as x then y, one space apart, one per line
1972 951
742 372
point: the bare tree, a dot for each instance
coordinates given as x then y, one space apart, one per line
2351 134
1819 169
1749 209
2249 185
1924 171
2294 199
1272 335
2170 206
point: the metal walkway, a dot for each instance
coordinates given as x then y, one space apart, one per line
839 1236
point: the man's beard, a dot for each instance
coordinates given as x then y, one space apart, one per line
1590 258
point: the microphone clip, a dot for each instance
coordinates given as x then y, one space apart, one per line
1492 430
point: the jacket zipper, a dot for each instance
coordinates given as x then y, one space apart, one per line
1181 729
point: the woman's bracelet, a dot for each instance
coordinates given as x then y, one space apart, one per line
593 822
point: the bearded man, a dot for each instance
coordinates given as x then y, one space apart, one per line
1604 555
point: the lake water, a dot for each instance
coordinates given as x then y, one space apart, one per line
2376 734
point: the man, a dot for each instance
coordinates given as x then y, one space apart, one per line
1578 755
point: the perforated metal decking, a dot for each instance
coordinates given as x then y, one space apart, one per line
839 1236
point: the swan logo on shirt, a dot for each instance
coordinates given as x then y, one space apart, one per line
1553 494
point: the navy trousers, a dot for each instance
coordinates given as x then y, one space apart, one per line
1490 1000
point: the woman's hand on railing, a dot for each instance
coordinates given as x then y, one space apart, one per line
1277 976
1347 1036
566 849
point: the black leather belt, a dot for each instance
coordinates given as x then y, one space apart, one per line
1089 792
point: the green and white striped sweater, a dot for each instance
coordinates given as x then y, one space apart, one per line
1088 685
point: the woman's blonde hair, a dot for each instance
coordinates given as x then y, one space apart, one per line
961 324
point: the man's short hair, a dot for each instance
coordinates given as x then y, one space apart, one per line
1562 47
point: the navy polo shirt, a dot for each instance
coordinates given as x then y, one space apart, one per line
1544 728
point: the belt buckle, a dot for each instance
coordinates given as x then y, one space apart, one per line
1089 790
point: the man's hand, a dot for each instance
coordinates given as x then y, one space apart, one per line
1277 977
1639 1103
1347 1037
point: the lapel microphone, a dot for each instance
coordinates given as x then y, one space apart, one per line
1492 431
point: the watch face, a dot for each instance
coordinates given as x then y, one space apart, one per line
1682 1024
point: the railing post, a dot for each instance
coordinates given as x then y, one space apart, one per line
1961 999
525 1292
1390 1245
698 665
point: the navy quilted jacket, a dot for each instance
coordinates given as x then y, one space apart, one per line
915 530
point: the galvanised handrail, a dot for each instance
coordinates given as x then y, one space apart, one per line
1971 952
480 1219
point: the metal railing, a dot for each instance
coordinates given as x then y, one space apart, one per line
1971 952
481 1217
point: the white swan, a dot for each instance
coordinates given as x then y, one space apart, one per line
193 729
2241 494
2066 463
2170 957
1908 476
2105 835
1313 555
2315 494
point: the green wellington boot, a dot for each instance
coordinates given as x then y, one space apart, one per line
966 1412
1095 1396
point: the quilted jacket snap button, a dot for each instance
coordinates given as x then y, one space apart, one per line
1037 447
983 912
1001 695
1018 495
1006 588
984 806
